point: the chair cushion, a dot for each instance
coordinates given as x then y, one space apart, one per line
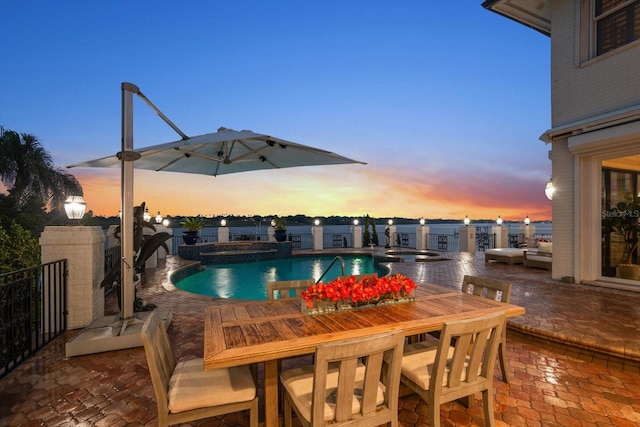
299 385
545 247
191 387
506 252
418 360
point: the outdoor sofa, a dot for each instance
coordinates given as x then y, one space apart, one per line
541 257
509 256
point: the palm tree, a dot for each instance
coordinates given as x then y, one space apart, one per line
27 170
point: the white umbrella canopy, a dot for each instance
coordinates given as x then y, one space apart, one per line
224 152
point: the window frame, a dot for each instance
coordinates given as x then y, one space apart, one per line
594 48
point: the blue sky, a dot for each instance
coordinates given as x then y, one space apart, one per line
445 101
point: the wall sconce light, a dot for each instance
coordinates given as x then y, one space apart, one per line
527 221
421 222
158 218
74 207
499 220
147 215
355 221
466 221
316 222
223 222
549 189
166 222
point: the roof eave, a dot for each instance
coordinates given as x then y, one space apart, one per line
535 14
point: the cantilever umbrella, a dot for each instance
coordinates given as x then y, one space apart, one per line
226 151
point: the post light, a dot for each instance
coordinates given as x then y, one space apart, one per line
273 223
158 218
527 221
499 220
166 222
74 207
549 189
421 221
390 222
223 222
147 215
316 222
355 221
466 221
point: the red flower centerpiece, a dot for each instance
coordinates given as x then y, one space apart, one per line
349 293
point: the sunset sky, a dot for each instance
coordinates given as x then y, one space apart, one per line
444 101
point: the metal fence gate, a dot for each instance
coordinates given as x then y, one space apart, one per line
32 311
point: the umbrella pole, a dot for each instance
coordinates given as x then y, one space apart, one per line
126 222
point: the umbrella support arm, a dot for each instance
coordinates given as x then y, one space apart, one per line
130 87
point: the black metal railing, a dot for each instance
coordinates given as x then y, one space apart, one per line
33 311
111 257
436 242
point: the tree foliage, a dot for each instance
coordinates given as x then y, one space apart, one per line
18 249
144 246
28 172
367 235
374 232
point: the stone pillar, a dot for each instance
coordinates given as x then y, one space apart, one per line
83 247
223 234
467 239
356 232
422 237
529 231
316 232
271 234
501 234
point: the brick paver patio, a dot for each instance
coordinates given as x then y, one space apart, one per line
594 382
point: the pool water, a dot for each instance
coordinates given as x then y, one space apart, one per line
249 280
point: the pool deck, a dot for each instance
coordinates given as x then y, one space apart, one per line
574 358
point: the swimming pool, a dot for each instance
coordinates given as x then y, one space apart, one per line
249 280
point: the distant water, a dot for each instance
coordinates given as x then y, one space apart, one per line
443 228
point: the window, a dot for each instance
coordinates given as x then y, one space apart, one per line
615 24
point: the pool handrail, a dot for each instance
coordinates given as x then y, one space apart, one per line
338 257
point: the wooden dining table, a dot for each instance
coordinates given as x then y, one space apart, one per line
247 332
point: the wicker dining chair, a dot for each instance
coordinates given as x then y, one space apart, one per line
353 382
